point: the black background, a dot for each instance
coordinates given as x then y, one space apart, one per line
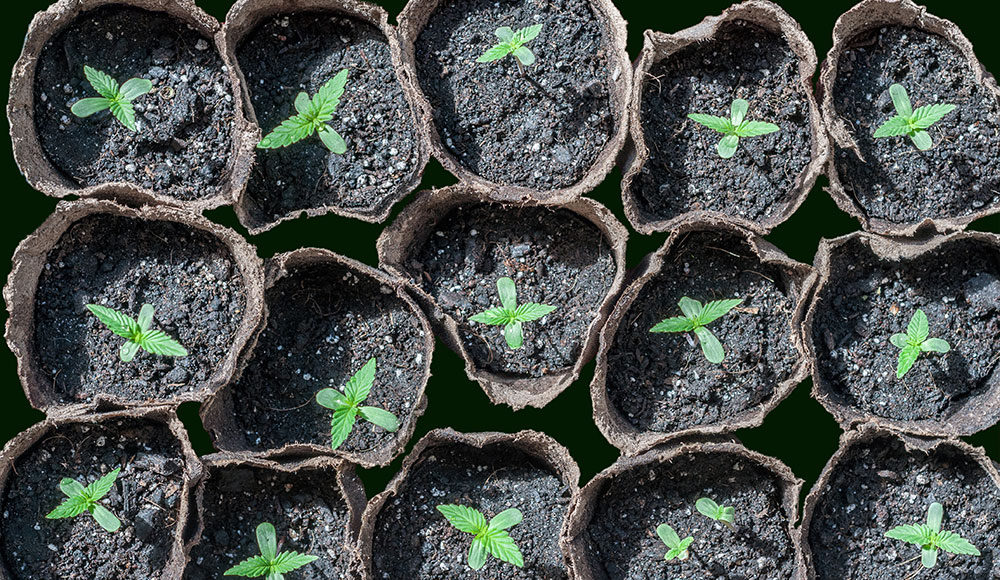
799 432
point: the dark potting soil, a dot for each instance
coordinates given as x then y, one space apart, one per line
413 540
146 498
554 257
543 130
893 180
868 300
189 277
879 486
622 533
306 508
684 172
288 54
662 381
324 323
184 125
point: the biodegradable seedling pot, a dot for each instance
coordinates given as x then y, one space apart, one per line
403 535
452 245
753 51
204 281
869 289
193 145
283 47
888 184
150 496
326 316
611 528
314 504
551 134
878 480
650 387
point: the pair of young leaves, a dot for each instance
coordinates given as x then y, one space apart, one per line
914 342
513 43
694 320
137 332
930 538
312 117
511 315
733 127
116 98
80 498
270 563
347 406
678 548
912 122
488 537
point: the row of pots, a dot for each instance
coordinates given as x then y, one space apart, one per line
415 91
195 518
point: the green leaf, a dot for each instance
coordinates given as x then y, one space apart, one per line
900 100
524 54
291 130
158 342
899 340
720 124
477 554
71 487
502 546
691 308
125 113
69 508
935 515
89 106
894 127
102 82
716 308
506 519
329 94
332 140
727 146
134 88
514 335
493 316
531 311
504 33
928 557
924 117
121 324
707 507
507 292
668 536
675 324
145 319
738 111
380 417
710 345
918 329
251 567
267 541
528 33
341 425
302 103
935 345
332 399
907 357
495 53
922 140
956 544
106 519
128 350
288 561
102 486
919 534
681 551
360 384
464 518
756 128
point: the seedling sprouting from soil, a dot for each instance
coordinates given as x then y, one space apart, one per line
678 548
719 513
81 499
488 538
733 127
270 563
930 538
912 122
694 320
312 117
914 342
117 99
137 333
347 406
513 43
511 315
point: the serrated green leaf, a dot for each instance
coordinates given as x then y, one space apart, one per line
690 307
121 324
956 544
900 100
380 417
477 554
464 518
894 127
102 486
89 106
102 82
528 33
727 146
158 342
914 534
251 568
291 130
360 384
508 292
505 519
675 324
288 561
513 333
69 508
503 548
918 329
135 88
710 345
105 518
493 316
329 94
935 345
907 357
125 113
332 140
531 311
922 140
738 111
720 124
717 308
756 129
341 425
128 351
924 117
494 53
524 54
332 399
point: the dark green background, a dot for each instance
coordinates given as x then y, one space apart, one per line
799 432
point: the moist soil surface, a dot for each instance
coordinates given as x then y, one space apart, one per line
541 130
867 300
684 171
662 381
146 498
288 54
184 124
324 323
622 533
413 540
189 277
879 486
893 180
554 257
306 509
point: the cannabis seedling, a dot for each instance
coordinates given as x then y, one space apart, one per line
912 122
488 538
513 43
511 315
81 499
347 406
734 127
270 563
312 117
694 320
117 99
678 547
914 342
930 538
709 508
137 333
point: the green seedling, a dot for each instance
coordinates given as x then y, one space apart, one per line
511 316
707 507
734 127
137 333
347 406
488 538
678 548
312 117
81 499
270 563
914 342
930 538
694 320
912 122
117 99
513 43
